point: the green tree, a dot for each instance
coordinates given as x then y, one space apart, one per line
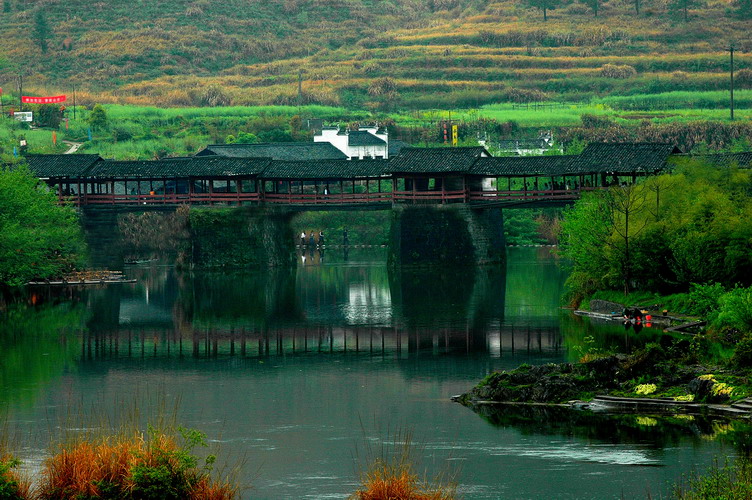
744 9
544 5
38 238
242 138
42 30
98 118
6 6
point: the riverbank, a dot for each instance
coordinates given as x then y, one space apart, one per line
669 370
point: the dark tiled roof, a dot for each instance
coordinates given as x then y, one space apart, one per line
396 146
50 166
517 166
436 160
288 151
626 157
204 166
326 169
741 160
364 138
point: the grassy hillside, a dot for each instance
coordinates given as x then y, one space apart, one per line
369 54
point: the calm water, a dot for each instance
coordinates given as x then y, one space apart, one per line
295 375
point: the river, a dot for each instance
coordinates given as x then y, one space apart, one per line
298 377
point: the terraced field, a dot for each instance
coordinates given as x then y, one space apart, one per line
377 55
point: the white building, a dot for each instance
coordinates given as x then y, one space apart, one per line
367 142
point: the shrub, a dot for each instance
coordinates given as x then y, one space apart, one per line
617 71
703 299
135 468
734 312
11 485
742 357
743 78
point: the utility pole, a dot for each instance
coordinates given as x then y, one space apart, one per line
731 51
300 89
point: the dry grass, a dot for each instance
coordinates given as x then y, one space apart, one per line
108 469
385 481
390 474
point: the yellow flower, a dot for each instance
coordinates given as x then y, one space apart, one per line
709 376
687 398
645 389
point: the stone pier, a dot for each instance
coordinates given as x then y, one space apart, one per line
446 235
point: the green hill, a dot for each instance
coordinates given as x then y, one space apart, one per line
369 54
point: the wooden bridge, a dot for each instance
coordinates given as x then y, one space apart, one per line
468 175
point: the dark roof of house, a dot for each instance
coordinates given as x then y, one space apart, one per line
50 166
204 166
741 160
364 138
288 151
518 166
325 169
626 157
396 146
436 160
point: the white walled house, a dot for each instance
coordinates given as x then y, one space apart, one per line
367 142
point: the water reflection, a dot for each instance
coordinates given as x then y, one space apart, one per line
355 306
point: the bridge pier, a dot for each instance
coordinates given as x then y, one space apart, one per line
426 235
244 237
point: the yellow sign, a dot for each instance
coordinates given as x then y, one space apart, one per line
454 135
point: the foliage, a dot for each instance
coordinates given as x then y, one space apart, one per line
98 118
133 468
663 235
730 482
12 487
42 30
38 238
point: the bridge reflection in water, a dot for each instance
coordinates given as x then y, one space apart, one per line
341 308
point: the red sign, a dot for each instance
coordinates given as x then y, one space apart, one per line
43 100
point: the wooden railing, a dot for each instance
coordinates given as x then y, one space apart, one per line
402 197
164 199
328 199
429 197
540 195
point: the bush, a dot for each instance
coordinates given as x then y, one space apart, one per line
11 486
734 312
703 299
617 71
743 78
742 357
134 468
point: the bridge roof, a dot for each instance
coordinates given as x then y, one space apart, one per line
51 166
203 166
325 169
288 151
519 166
436 160
626 157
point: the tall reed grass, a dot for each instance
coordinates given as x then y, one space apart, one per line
390 472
